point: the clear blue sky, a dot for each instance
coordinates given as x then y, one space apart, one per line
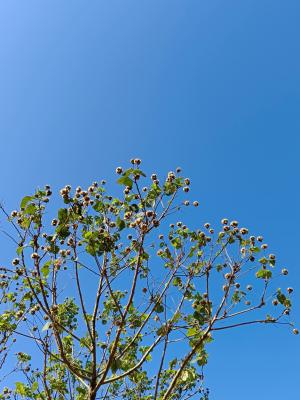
213 86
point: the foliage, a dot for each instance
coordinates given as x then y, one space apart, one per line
119 305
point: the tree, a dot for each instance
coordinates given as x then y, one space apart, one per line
107 301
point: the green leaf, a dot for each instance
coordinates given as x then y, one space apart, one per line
192 332
281 297
46 269
139 172
176 243
62 215
177 281
34 386
264 274
19 250
62 231
25 200
30 209
115 365
120 223
126 181
159 308
20 388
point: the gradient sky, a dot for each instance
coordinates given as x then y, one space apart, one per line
212 86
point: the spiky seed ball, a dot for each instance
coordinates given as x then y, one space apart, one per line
286 312
54 222
234 223
284 271
144 227
160 252
224 221
247 303
226 228
237 285
186 189
275 302
259 238
171 176
195 203
186 203
244 231
249 287
207 225
144 189
295 331
137 161
290 290
119 170
34 256
211 231
15 261
14 213
178 170
264 246
153 177
272 256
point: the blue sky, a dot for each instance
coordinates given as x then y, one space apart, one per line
211 86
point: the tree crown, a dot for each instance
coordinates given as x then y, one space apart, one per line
118 302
